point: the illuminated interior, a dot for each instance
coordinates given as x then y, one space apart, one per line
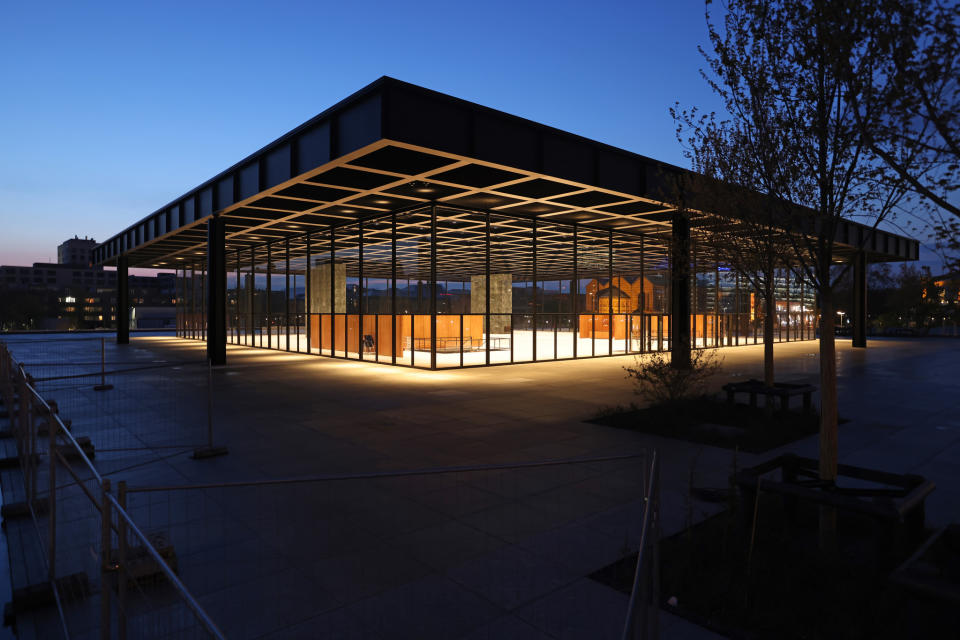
406 227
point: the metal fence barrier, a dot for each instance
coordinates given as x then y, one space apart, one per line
146 556
88 546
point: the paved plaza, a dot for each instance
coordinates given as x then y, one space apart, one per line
470 554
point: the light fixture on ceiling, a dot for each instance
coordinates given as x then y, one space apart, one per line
422 187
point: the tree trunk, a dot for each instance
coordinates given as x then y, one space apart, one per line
828 417
769 315
828 390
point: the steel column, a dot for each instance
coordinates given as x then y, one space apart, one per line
123 300
216 306
860 300
306 300
433 285
610 306
486 286
575 292
393 288
680 290
535 318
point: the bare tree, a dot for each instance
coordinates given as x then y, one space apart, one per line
801 82
919 135
742 230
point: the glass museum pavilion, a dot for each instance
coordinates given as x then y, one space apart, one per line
406 227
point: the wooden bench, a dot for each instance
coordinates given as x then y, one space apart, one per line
782 390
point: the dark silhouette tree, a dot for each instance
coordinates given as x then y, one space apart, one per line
801 82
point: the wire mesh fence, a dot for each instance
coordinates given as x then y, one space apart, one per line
430 552
121 401
73 553
437 552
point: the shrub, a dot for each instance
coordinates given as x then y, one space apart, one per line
656 381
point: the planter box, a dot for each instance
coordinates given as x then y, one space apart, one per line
898 502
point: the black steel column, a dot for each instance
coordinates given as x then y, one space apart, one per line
535 318
306 300
360 291
203 303
433 285
269 295
680 290
333 296
860 300
716 303
694 302
610 297
236 315
575 292
252 327
486 286
643 295
216 292
286 290
123 300
803 310
393 288
739 307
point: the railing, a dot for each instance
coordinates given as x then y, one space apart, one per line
642 621
184 543
97 521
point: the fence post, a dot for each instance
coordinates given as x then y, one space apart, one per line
23 433
52 431
654 629
27 400
105 544
122 562
210 450
103 386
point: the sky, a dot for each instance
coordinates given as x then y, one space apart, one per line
108 111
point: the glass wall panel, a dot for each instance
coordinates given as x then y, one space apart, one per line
553 300
319 293
298 294
630 285
510 262
377 290
461 292
373 291
414 328
233 298
596 295
348 323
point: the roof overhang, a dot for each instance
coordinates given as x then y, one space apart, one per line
394 146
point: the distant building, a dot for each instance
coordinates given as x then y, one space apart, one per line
71 294
76 251
948 288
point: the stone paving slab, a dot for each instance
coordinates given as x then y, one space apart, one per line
476 555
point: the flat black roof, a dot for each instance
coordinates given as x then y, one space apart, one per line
394 146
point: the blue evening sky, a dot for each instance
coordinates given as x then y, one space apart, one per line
111 110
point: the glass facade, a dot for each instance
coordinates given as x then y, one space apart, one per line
440 287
